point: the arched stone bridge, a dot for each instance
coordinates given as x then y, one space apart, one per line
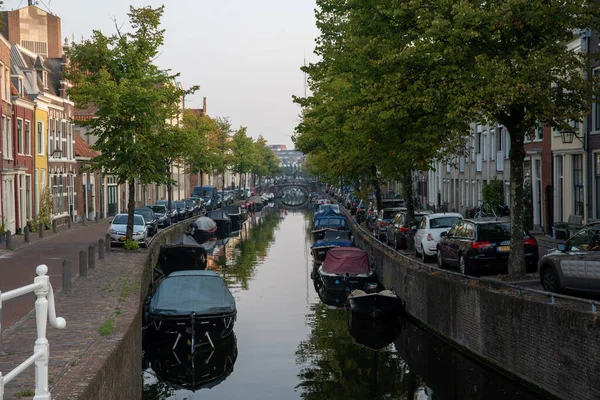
305 186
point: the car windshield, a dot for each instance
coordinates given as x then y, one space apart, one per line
158 209
393 203
144 212
443 222
389 214
179 204
586 240
190 203
493 231
206 192
121 219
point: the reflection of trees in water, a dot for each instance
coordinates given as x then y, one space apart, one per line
335 367
238 270
293 197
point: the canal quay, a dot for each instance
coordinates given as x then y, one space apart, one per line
288 344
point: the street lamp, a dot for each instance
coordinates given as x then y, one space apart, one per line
568 135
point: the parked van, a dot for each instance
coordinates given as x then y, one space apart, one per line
208 194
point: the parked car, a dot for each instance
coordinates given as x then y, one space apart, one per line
482 246
429 230
392 203
190 204
208 194
574 265
198 205
398 230
118 229
384 219
183 211
150 219
172 211
228 199
162 215
219 200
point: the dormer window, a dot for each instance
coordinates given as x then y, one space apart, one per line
20 88
45 79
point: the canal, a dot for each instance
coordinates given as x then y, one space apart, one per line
289 345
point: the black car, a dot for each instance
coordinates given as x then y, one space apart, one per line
198 205
482 246
191 206
182 210
163 216
149 218
384 220
228 199
398 230
174 215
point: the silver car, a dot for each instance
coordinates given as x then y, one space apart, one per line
574 265
118 228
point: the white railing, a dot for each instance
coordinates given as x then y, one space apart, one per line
44 311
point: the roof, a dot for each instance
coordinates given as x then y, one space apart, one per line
82 149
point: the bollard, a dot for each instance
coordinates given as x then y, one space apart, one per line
107 243
69 223
66 276
83 259
91 257
26 234
96 218
9 240
53 226
41 230
101 249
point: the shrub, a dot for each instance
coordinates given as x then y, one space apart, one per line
46 208
131 245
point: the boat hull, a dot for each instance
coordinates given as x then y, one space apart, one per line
375 305
237 220
181 258
223 227
346 283
201 236
319 253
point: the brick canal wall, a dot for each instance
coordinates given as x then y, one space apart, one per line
553 347
119 376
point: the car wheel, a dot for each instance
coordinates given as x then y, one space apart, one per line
549 280
424 256
462 265
440 259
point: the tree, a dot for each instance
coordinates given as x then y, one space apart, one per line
133 97
242 153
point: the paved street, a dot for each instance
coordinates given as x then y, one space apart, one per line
17 267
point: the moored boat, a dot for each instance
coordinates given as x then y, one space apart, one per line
373 333
181 255
331 239
191 307
223 222
203 229
377 304
330 222
236 215
346 269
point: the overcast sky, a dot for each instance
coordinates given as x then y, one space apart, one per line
245 54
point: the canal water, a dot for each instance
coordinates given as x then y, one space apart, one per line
289 345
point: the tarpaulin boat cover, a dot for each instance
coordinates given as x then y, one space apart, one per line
184 292
327 210
218 214
342 260
185 240
205 224
330 221
334 238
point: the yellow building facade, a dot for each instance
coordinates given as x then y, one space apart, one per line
41 153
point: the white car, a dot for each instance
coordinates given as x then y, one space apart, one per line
118 228
429 230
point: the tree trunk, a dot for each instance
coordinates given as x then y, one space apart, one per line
377 189
130 208
409 202
169 190
516 260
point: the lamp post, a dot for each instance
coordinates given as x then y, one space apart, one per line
568 135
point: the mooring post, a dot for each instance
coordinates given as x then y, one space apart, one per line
83 259
53 226
41 230
26 233
66 276
9 240
96 218
100 249
69 221
91 257
107 243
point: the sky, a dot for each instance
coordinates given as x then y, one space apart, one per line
244 54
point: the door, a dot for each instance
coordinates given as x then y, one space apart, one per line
113 200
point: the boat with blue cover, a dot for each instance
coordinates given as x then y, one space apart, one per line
331 239
328 222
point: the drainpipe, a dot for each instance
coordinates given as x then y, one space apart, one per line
35 152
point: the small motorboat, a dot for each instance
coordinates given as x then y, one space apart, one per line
331 239
203 369
223 222
181 255
346 269
326 210
203 229
374 333
375 305
333 299
191 307
329 222
236 215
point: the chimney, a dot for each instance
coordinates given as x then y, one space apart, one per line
204 106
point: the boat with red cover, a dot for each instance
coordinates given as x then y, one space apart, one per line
346 269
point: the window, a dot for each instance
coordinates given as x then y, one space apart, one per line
493 145
539 131
500 138
28 138
2 82
19 136
9 153
577 184
40 138
50 138
484 145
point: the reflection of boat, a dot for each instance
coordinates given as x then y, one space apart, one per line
203 229
332 298
374 333
330 239
346 269
330 222
181 255
191 306
376 304
223 222
236 215
203 369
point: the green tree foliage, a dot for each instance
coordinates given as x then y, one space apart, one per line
197 131
242 153
134 99
493 194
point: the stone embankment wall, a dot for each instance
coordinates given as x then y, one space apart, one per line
119 378
553 347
